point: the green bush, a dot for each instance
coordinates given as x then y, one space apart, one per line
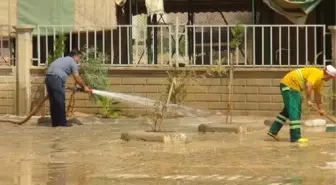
95 74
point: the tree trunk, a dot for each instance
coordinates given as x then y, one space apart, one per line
229 108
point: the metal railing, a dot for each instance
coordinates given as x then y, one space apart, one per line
195 45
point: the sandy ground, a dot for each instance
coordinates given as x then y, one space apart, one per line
93 154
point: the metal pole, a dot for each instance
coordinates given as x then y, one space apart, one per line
9 31
130 40
149 40
254 19
155 39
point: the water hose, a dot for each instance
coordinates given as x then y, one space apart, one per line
37 107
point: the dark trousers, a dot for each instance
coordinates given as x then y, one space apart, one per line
56 91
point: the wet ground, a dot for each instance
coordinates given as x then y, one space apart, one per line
92 154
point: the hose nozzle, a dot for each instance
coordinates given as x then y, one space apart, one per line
74 88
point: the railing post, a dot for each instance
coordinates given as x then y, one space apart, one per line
333 51
23 64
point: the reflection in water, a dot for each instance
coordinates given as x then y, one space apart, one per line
25 161
61 173
57 174
57 156
296 180
25 172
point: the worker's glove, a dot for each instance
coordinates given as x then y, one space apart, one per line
322 112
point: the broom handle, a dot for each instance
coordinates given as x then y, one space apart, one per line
330 118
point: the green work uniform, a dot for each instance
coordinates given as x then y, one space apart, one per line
291 111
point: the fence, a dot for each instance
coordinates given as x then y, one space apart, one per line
6 45
197 45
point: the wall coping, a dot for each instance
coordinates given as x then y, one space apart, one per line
24 28
161 69
6 69
332 28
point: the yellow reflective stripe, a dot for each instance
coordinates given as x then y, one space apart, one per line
283 117
279 121
295 126
301 79
295 122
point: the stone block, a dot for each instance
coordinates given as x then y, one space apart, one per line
7 87
277 99
115 81
81 103
271 106
133 81
245 106
231 128
258 98
90 104
6 102
235 97
166 137
157 81
269 90
189 97
197 89
268 122
37 80
218 89
276 82
81 96
236 82
218 105
258 82
5 95
153 96
245 90
209 81
208 97
146 88
201 105
122 88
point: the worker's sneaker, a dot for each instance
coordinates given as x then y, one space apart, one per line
276 137
302 140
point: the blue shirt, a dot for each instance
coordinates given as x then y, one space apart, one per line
63 67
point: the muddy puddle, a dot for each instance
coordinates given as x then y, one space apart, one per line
92 154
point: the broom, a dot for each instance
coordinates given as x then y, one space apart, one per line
330 127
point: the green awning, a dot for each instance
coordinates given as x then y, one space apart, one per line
294 10
42 12
51 16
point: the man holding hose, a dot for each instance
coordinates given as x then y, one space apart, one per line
304 79
55 79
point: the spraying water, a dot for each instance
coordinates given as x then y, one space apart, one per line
187 111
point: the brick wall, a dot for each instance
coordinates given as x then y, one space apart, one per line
256 91
7 90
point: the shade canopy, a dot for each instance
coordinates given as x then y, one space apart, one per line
59 12
294 10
